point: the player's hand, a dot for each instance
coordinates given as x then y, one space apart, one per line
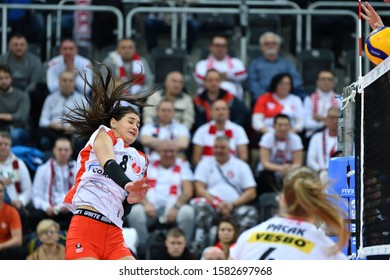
371 16
137 191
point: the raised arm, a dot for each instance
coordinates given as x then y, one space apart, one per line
371 16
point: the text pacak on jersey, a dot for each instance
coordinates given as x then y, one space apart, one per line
286 229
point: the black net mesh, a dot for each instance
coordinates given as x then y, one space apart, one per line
376 177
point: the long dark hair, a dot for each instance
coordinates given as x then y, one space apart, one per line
104 103
277 79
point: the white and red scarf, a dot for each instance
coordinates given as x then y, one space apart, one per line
137 70
15 167
208 149
211 61
316 100
54 180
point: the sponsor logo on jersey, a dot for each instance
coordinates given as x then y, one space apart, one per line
96 168
296 242
136 168
79 248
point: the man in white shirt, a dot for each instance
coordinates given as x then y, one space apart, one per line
224 186
164 127
71 61
52 181
323 145
281 150
232 70
15 176
126 63
317 104
205 135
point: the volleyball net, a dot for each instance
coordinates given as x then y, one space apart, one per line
364 132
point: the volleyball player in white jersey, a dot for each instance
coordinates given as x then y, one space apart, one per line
109 170
295 235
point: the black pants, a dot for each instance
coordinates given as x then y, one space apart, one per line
13 253
267 182
37 215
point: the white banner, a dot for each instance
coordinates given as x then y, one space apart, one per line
82 24
199 270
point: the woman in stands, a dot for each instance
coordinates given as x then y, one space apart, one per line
111 174
226 236
279 100
296 234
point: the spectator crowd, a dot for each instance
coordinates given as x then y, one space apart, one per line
213 152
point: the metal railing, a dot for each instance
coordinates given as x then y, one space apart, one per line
5 7
174 10
292 12
242 8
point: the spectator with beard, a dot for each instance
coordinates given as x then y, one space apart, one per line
272 62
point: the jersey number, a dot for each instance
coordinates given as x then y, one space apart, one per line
266 254
123 164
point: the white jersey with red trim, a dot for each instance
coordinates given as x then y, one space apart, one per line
232 67
281 151
16 170
284 239
205 136
172 131
166 183
94 188
57 65
269 105
237 171
318 103
322 147
51 183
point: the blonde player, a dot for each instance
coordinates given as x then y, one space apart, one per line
295 235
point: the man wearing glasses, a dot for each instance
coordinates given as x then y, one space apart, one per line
232 69
317 104
262 69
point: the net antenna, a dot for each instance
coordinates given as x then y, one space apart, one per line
360 250
358 86
360 37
